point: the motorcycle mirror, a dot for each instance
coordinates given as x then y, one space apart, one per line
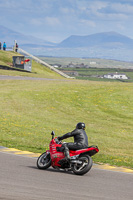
52 134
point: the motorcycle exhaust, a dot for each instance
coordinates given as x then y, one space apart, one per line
76 162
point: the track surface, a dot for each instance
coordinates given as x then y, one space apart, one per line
21 180
6 77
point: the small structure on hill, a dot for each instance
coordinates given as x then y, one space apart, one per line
22 62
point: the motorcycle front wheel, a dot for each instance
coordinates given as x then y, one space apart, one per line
81 169
44 161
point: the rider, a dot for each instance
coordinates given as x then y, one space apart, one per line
80 140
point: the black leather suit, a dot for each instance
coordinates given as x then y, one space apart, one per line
80 139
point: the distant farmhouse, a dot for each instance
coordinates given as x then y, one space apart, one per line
115 76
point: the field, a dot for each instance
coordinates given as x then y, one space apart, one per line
97 68
95 74
92 62
30 110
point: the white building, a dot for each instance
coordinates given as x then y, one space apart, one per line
115 76
92 63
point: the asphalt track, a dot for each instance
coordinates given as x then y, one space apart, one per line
6 77
21 180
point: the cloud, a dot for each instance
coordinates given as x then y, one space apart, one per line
36 22
123 8
105 10
66 10
62 18
91 8
100 10
52 21
118 8
88 23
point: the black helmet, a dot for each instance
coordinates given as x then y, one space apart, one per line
80 125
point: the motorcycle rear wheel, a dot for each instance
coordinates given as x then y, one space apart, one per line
81 169
44 161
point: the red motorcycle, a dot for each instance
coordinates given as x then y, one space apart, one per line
80 163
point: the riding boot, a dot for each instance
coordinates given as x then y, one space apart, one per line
66 153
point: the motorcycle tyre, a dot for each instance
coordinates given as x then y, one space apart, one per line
87 168
47 165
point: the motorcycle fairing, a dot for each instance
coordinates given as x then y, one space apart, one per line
90 151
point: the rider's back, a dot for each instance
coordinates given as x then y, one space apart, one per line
80 137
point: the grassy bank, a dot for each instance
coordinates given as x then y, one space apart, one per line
38 70
30 110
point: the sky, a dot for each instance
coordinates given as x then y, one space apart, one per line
56 20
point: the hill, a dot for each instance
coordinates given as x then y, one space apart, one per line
8 36
38 70
106 39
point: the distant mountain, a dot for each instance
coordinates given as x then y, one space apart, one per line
108 45
106 39
8 36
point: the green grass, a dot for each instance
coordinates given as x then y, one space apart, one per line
38 70
30 110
